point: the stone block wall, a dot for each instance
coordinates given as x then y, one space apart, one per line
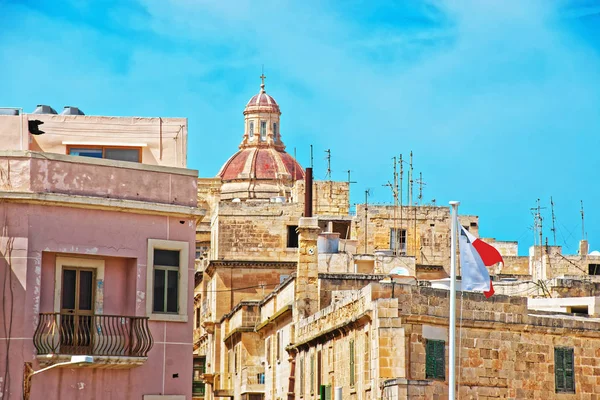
329 197
256 231
427 230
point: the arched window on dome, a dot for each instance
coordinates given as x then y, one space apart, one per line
251 130
263 130
275 135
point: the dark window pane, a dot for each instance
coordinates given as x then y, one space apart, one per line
158 299
68 289
95 153
86 285
122 154
292 238
172 292
167 258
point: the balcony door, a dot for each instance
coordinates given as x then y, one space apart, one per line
77 310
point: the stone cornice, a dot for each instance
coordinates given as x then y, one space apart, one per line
101 203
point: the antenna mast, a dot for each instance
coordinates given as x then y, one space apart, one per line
582 222
553 222
311 155
421 184
410 181
328 175
367 193
400 196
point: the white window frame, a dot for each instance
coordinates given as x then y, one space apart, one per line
251 130
183 248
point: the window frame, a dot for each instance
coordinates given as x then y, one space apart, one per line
292 237
263 132
570 353
182 289
437 357
251 129
401 244
104 148
275 130
166 269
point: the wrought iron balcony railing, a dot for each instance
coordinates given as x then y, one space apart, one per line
93 334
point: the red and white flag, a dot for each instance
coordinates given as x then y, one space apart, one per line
475 257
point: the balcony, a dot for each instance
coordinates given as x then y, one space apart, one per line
253 380
113 340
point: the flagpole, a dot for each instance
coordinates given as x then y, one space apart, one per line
452 328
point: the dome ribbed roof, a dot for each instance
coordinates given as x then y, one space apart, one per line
261 164
262 102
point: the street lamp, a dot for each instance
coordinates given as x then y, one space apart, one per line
28 371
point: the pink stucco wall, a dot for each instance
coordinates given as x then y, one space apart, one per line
61 174
38 233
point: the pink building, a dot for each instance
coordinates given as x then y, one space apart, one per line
96 257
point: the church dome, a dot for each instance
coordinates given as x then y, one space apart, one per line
261 169
262 102
261 163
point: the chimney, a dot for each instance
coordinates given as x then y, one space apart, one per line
308 193
68 110
307 271
584 248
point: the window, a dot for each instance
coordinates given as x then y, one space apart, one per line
166 281
312 374
197 317
251 130
301 362
167 277
263 130
198 378
563 370
268 353
235 359
435 359
292 236
279 341
398 240
133 154
367 357
594 269
275 130
352 364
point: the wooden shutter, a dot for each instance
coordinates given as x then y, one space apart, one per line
430 359
559 369
352 375
569 375
440 359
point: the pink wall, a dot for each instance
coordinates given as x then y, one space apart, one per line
41 232
51 173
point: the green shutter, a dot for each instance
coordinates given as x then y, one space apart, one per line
352 363
569 375
564 370
429 359
440 359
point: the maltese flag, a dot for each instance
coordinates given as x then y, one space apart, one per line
475 256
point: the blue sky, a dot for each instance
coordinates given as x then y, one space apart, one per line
498 100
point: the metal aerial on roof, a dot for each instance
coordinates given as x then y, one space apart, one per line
71 111
44 109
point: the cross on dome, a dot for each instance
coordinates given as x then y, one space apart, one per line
262 79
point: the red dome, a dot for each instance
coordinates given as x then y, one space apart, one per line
262 102
261 163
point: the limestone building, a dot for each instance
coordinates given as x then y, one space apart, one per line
291 305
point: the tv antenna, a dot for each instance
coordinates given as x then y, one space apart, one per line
553 229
